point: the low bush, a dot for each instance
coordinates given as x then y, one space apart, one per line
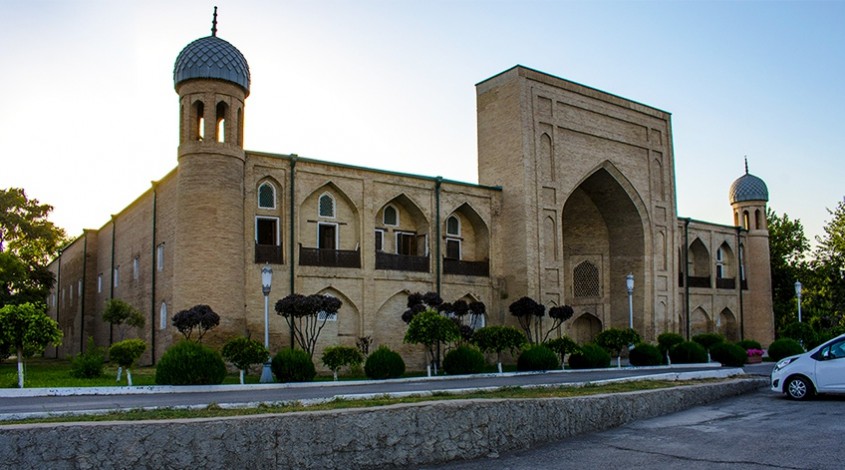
190 363
688 352
729 354
293 365
463 360
589 356
562 346
645 354
708 340
666 340
126 352
384 363
749 344
537 357
335 357
88 364
784 347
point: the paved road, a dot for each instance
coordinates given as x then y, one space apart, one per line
762 430
21 406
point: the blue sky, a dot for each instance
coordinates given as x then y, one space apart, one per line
90 115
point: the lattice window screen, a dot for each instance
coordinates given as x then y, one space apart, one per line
586 280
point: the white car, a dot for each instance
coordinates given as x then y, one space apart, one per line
819 370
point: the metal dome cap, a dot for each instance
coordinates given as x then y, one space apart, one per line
748 188
214 58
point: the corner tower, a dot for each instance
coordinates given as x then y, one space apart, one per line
212 79
748 196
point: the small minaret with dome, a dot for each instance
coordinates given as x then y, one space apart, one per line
212 79
748 196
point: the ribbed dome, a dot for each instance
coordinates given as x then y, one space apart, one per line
211 57
748 188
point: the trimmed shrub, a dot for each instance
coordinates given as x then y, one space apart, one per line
666 340
293 365
749 344
384 364
463 360
589 356
801 332
645 354
537 357
88 364
562 346
126 352
784 347
729 354
335 357
190 363
708 340
688 352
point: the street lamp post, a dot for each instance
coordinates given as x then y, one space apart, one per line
266 283
798 294
629 283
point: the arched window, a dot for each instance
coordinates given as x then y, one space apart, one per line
162 313
453 226
222 116
198 131
758 224
391 216
266 196
586 280
326 206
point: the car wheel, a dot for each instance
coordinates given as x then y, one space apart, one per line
799 388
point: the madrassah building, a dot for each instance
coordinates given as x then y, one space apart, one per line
576 190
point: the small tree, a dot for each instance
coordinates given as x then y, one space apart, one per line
302 314
28 329
665 341
125 353
558 314
562 346
418 303
199 317
498 339
708 340
429 328
243 352
335 357
122 315
529 313
614 340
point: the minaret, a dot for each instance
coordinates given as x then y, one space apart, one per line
748 196
212 79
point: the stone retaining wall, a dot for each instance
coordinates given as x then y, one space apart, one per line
385 437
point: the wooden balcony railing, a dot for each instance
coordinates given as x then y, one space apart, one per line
390 261
466 268
329 258
695 281
268 254
725 283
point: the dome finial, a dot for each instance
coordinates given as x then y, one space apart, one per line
746 164
214 23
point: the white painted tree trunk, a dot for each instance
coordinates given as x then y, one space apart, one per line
20 367
334 372
619 361
242 376
119 373
499 364
128 376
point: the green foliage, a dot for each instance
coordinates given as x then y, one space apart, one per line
28 241
121 314
665 341
190 363
589 356
243 352
729 354
614 340
199 317
27 330
784 347
688 352
562 346
499 338
430 328
384 364
801 332
126 352
827 290
302 314
788 248
335 357
708 340
528 312
645 354
749 344
293 365
89 363
537 357
463 360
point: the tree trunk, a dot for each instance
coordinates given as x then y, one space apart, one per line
335 375
242 376
619 361
119 373
128 376
499 364
20 367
